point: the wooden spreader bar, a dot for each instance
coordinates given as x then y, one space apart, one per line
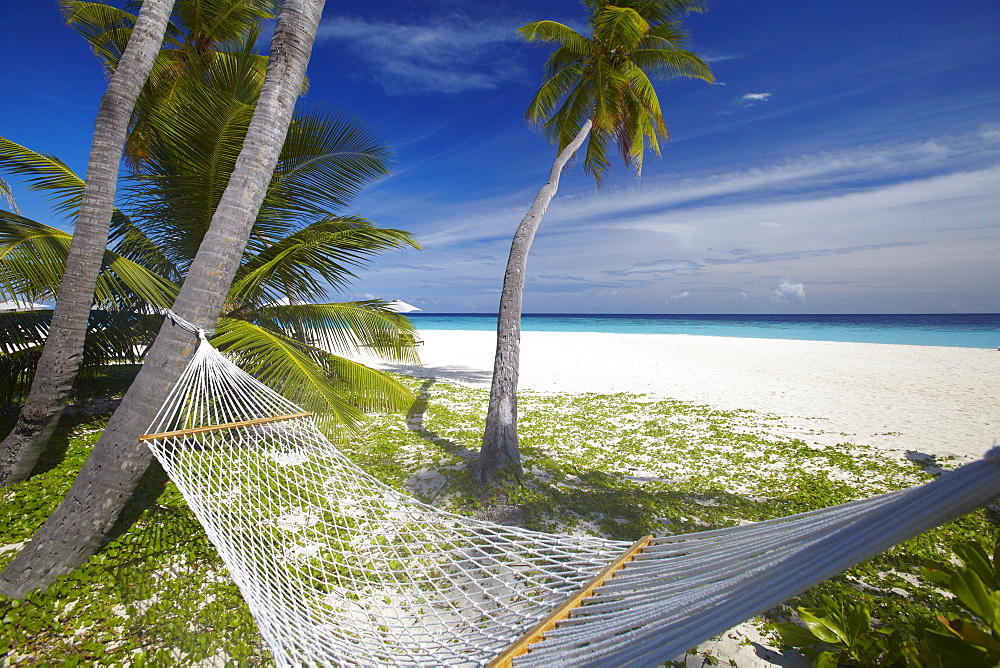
538 631
221 427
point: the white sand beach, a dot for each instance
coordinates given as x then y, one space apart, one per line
905 400
933 400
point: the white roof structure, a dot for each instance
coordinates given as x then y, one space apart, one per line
14 305
399 306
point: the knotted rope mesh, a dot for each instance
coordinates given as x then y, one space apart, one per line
337 567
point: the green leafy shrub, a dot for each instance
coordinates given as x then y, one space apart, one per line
840 632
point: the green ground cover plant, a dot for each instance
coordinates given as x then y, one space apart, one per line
619 466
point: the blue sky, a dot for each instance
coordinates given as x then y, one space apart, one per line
848 160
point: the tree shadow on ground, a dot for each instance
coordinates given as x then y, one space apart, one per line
96 392
415 423
455 374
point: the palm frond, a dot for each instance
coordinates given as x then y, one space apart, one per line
552 92
368 388
113 337
347 328
43 173
106 28
323 254
662 11
296 370
23 329
33 258
553 32
7 194
326 160
662 64
209 23
621 27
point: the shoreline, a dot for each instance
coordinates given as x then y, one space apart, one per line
911 400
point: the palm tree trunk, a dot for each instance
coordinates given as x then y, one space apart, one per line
63 352
76 528
499 457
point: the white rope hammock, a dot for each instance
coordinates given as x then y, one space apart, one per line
339 568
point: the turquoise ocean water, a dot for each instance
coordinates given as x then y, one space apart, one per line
964 330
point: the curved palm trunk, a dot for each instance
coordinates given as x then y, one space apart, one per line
499 456
63 352
76 528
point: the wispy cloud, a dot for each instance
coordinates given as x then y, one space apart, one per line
912 215
435 57
657 267
754 98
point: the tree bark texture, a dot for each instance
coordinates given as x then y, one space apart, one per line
63 352
75 530
499 457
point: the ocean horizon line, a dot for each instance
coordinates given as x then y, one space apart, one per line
964 330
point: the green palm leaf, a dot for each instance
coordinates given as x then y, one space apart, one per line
33 257
325 251
347 328
553 32
622 27
7 194
112 337
46 173
325 162
338 390
106 28
607 77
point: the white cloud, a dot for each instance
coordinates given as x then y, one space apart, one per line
786 291
440 57
657 267
753 98
681 295
915 221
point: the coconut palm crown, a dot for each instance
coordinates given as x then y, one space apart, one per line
607 77
277 321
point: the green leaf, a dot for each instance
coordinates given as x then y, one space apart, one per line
797 636
827 660
973 595
858 624
821 624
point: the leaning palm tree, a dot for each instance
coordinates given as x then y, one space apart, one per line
598 86
76 528
60 360
300 245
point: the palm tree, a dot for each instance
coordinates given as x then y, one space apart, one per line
299 245
60 360
598 85
289 346
109 476
196 39
200 32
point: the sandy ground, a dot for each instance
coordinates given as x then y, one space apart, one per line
932 400
907 400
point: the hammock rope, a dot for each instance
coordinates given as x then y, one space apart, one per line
337 567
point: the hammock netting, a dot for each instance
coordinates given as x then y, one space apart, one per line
338 568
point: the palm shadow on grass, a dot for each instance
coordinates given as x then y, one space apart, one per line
95 393
415 423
